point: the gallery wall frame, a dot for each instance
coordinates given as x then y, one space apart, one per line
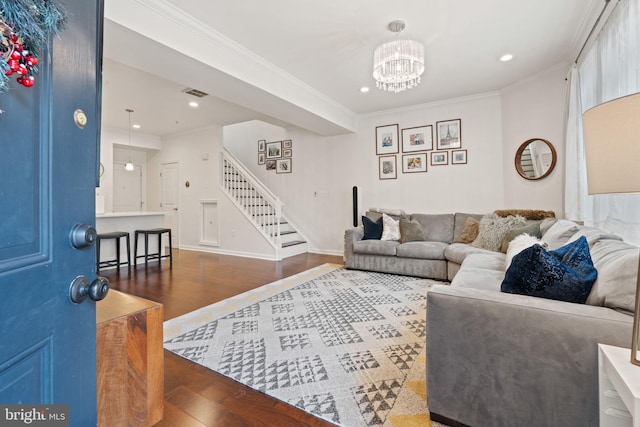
459 157
262 145
387 139
439 158
283 166
387 167
412 163
418 138
449 134
274 150
261 158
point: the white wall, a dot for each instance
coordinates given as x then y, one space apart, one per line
535 108
236 235
318 192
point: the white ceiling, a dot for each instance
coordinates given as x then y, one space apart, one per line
326 47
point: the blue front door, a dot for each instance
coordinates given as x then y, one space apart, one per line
48 157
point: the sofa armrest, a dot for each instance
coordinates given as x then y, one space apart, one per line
502 359
351 235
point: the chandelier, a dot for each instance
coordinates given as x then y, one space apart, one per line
398 64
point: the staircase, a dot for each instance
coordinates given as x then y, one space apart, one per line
526 161
261 207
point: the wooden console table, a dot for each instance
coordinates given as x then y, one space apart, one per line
130 361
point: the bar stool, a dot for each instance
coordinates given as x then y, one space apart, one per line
147 256
115 235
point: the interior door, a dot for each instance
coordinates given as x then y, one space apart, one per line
169 179
48 174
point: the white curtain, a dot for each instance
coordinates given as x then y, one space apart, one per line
609 69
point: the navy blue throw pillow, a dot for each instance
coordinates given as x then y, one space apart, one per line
372 230
566 274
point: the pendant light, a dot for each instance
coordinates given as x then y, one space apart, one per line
129 165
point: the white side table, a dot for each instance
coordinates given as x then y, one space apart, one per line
619 387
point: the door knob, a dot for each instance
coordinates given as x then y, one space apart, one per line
81 288
82 236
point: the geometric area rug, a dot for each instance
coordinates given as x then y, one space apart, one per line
344 345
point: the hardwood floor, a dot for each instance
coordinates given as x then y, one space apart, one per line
194 395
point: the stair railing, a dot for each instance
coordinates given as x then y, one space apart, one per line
254 199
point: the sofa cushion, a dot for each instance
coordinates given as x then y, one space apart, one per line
593 235
481 271
558 233
411 231
437 227
493 229
469 231
489 261
457 252
375 247
566 274
422 250
372 229
390 228
617 265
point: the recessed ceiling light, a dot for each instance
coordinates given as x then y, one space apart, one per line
364 89
193 104
136 126
506 57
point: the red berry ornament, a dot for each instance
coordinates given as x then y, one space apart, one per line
20 61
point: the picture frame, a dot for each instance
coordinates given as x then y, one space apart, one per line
417 139
262 145
412 163
271 165
287 143
283 166
387 167
459 157
274 150
439 158
287 152
387 139
261 158
449 134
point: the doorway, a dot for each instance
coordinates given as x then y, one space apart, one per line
169 199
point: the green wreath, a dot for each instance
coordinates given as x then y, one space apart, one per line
25 27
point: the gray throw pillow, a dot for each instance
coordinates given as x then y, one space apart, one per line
532 229
411 231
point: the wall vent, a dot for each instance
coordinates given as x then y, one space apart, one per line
195 92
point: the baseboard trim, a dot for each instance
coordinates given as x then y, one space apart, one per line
325 252
228 252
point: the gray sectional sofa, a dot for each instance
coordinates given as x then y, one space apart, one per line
501 359
438 257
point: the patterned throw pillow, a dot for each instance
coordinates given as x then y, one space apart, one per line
565 274
390 228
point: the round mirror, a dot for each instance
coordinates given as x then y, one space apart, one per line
535 159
